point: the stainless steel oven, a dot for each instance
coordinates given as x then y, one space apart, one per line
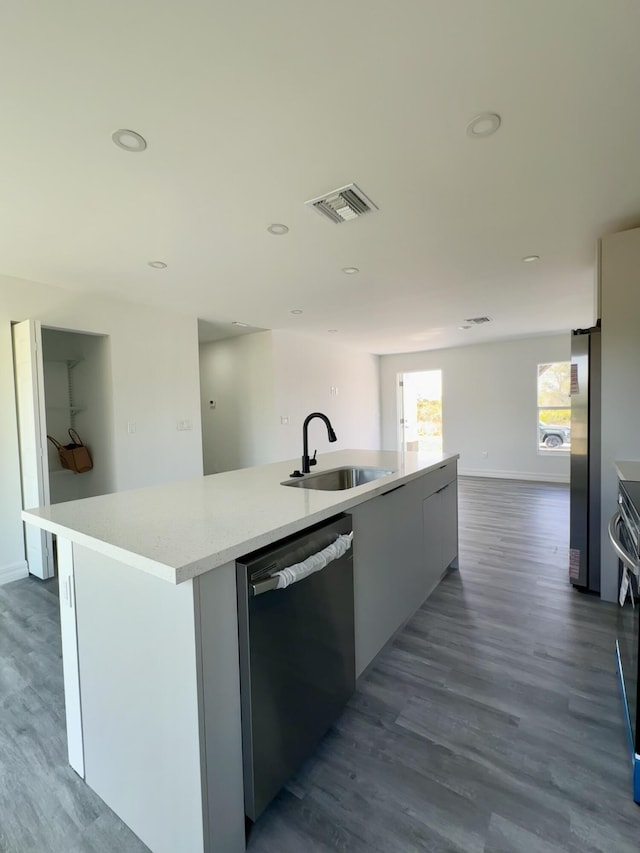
624 534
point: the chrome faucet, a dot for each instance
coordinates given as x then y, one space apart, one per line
306 462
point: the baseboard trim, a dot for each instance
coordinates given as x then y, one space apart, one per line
514 475
13 572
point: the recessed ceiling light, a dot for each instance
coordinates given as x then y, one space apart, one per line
332 330
129 140
350 270
158 265
529 259
464 327
296 311
483 125
278 228
238 323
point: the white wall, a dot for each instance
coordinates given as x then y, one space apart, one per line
237 374
306 370
154 370
488 404
620 301
256 380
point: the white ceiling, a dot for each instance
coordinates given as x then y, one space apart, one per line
249 109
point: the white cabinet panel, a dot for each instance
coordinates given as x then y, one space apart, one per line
70 655
140 716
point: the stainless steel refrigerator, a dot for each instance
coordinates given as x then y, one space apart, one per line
584 544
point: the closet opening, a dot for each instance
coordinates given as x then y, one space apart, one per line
77 397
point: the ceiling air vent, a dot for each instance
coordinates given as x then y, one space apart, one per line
344 204
477 321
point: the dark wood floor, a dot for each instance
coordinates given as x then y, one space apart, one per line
492 724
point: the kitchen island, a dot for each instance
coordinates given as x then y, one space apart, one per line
149 622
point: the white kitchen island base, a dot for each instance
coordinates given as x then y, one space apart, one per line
151 666
160 702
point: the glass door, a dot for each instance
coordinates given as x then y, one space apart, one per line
420 411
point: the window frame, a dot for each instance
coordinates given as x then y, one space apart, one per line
562 451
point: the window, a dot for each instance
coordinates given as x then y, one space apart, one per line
554 406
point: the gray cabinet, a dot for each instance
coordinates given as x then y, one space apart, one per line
432 541
449 519
440 533
388 577
404 540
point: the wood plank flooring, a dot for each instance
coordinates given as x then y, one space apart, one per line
492 723
44 806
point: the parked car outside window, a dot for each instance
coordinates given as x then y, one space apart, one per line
554 436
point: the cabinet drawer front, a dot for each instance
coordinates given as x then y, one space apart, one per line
438 479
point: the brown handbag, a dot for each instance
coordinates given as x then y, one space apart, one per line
74 456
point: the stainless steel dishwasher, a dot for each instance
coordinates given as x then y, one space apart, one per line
297 662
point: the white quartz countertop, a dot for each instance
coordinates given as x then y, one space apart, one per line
183 529
627 470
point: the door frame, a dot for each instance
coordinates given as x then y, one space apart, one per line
32 436
401 421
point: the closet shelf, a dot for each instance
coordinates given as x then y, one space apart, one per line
70 362
73 409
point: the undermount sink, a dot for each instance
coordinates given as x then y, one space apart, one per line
338 479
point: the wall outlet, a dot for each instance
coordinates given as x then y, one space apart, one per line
284 419
183 425
484 454
334 390
131 427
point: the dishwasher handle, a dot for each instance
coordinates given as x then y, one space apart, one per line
297 572
265 585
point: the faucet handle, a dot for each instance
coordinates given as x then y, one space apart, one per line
313 461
